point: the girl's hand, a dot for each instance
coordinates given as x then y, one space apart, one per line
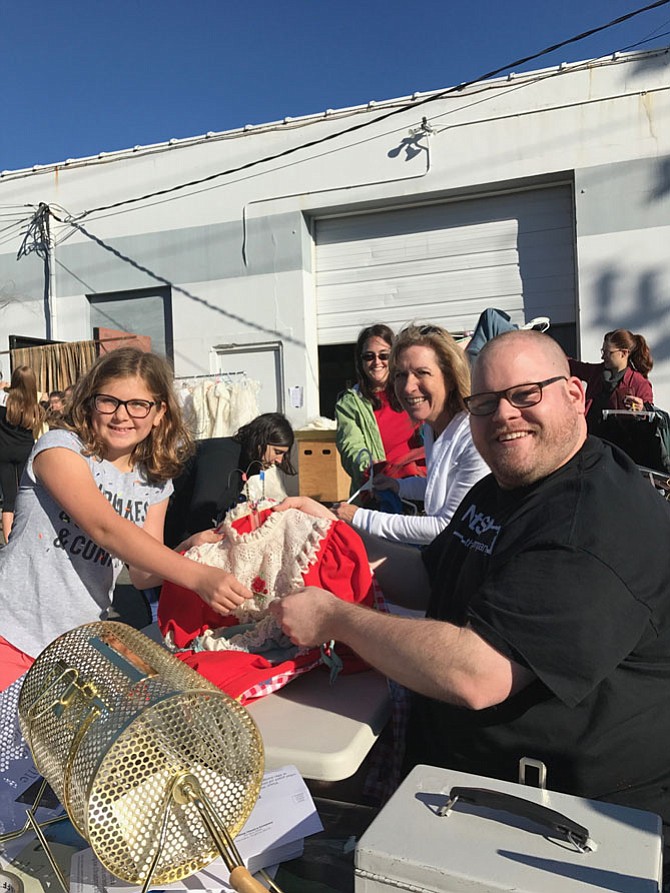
197 539
306 505
220 590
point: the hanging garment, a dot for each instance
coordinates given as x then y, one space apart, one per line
246 653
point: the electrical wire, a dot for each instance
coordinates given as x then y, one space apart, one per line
368 123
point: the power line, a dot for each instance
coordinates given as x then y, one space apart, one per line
368 123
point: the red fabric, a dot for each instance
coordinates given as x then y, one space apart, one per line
341 567
405 456
13 663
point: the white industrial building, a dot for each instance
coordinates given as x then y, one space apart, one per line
264 248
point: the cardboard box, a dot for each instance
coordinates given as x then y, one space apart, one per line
320 472
479 849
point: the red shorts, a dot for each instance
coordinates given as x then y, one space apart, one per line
13 663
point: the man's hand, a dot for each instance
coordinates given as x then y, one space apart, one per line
306 505
307 616
220 590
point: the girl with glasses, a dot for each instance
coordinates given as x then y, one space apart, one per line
620 380
93 497
371 425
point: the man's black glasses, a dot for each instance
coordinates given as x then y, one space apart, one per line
521 396
136 409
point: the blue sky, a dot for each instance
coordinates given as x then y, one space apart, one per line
81 77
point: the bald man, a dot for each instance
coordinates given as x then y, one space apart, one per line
548 622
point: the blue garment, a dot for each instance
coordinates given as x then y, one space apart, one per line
491 322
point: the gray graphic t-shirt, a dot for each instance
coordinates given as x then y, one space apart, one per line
53 576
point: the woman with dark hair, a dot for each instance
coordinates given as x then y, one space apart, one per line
222 468
266 441
621 380
21 420
371 424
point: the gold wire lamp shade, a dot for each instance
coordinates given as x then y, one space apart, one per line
157 768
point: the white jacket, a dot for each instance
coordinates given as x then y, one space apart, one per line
453 466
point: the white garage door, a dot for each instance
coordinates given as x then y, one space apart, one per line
447 262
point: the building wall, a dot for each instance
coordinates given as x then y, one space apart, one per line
238 252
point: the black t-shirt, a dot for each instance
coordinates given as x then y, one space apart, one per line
571 578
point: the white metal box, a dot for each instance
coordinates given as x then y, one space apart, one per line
479 849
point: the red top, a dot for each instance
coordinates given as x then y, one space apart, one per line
405 455
396 429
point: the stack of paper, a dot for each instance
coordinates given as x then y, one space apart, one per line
275 831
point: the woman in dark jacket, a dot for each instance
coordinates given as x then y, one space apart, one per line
21 420
215 477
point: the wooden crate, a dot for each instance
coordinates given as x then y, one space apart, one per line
320 472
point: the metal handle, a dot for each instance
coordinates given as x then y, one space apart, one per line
560 824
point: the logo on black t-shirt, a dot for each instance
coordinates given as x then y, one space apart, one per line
477 531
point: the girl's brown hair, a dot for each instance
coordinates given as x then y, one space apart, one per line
450 358
639 355
23 409
163 452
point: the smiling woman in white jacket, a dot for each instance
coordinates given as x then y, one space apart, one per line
431 377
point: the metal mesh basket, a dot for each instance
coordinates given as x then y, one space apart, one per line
112 720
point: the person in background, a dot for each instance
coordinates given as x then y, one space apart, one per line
56 404
221 468
56 408
93 497
67 397
620 380
431 377
371 425
21 420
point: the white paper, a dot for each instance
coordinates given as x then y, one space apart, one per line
19 779
283 816
295 396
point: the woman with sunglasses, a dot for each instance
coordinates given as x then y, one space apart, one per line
371 425
621 380
431 377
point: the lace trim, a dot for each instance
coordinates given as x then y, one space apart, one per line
271 561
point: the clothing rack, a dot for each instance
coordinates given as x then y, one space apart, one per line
215 376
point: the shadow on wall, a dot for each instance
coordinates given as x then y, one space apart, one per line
648 302
663 186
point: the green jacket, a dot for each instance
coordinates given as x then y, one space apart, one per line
357 430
